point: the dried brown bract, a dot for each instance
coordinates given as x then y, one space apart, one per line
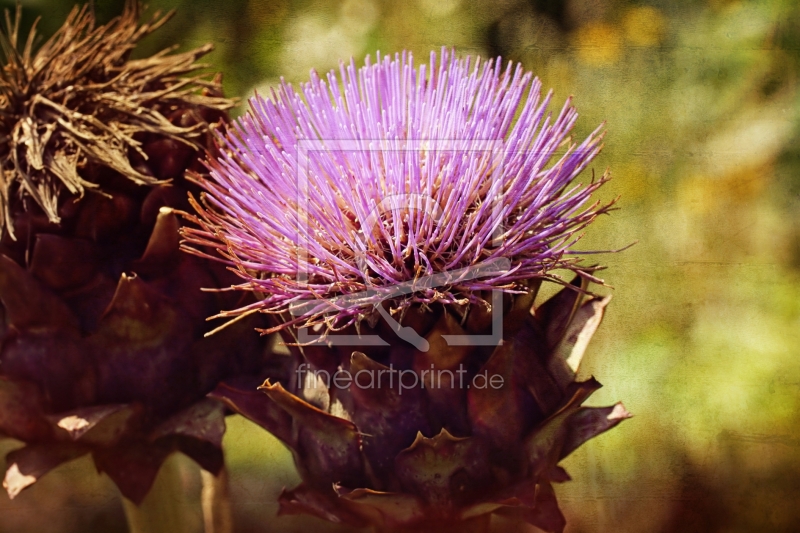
79 100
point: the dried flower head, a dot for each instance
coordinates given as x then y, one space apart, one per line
388 176
102 318
79 99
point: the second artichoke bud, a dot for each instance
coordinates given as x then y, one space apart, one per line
103 318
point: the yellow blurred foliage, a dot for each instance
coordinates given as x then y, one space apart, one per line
267 12
702 194
697 193
631 179
598 44
644 26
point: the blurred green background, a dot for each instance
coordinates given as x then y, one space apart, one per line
702 340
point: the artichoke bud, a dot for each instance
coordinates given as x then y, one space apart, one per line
103 348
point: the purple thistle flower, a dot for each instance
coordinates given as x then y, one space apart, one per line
389 174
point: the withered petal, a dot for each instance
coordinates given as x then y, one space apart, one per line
257 408
556 313
101 425
203 420
588 422
196 431
544 444
568 353
329 447
26 465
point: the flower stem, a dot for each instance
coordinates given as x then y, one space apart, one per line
217 514
163 510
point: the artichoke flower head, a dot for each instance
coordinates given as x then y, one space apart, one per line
395 224
102 321
391 175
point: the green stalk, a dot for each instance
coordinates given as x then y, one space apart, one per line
164 509
217 513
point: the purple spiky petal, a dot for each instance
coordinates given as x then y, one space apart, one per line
387 174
